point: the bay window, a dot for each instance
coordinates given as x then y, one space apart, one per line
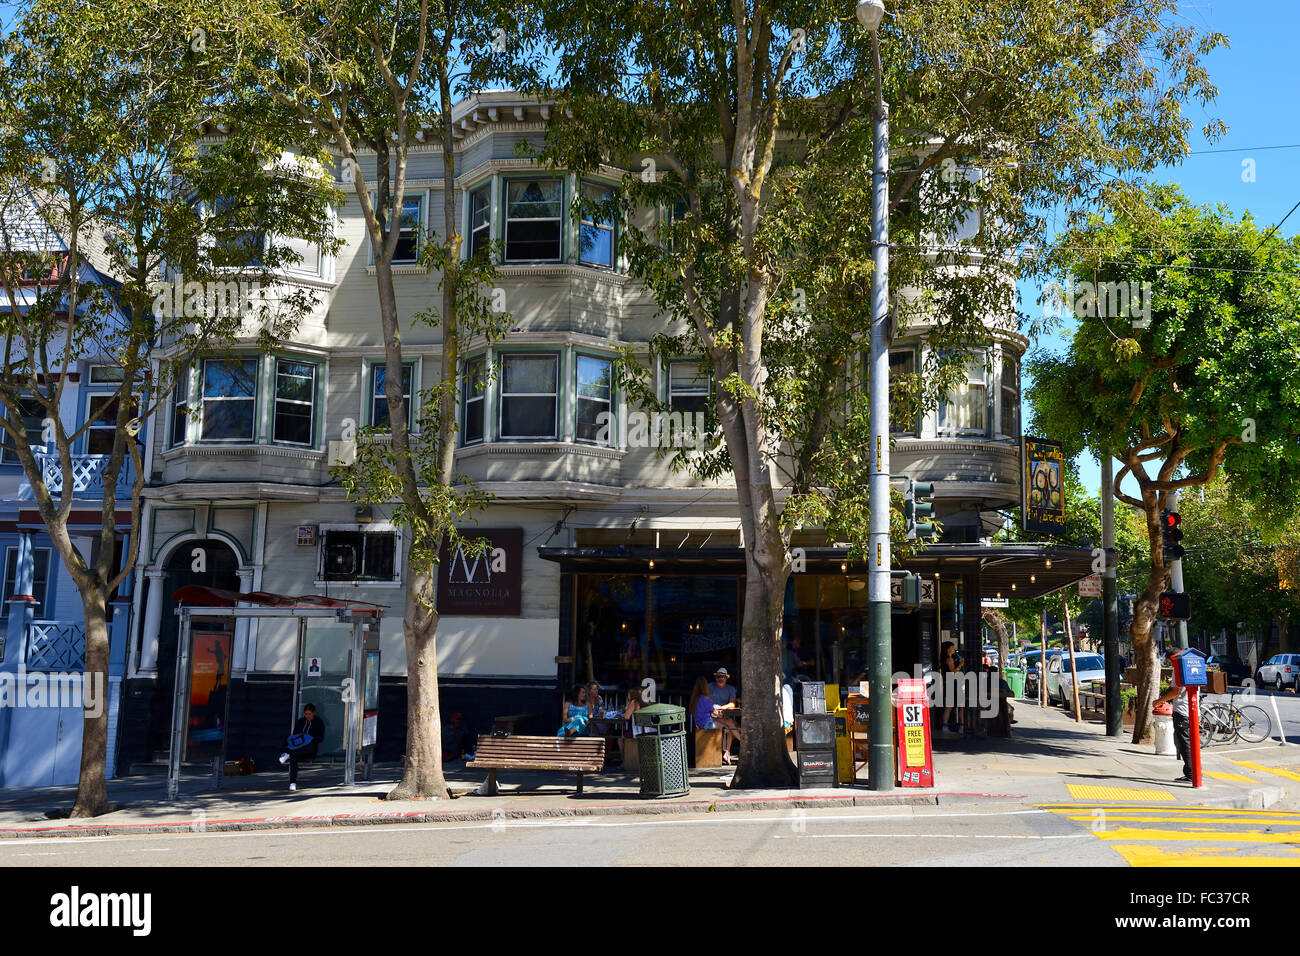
480 219
40 578
1010 388
528 396
534 220
596 232
33 415
474 398
965 409
902 421
595 396
229 400
180 406
295 392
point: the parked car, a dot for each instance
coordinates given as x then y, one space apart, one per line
1232 665
1061 676
1029 661
1279 671
991 652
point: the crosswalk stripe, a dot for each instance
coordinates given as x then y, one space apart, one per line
1067 808
1082 791
1218 775
1145 855
1276 771
1147 818
1234 836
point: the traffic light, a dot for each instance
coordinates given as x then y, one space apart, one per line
917 509
1175 607
1171 534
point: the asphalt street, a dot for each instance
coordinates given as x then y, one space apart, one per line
1076 834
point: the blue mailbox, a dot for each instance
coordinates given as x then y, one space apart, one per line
1189 667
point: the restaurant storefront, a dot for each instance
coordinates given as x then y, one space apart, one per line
629 613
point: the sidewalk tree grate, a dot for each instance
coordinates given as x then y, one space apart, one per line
1081 791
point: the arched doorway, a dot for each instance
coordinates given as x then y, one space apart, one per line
219 566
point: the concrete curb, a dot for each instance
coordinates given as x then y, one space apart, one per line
500 814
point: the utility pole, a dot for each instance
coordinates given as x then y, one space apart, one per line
880 766
1109 604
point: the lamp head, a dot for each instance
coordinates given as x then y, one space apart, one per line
870 13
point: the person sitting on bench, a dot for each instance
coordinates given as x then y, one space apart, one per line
305 740
576 714
723 695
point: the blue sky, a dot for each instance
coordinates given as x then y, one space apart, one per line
1259 100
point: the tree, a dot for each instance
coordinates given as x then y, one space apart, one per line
103 110
759 114
367 76
1207 385
1240 564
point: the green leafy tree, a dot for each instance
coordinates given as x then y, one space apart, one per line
750 123
105 111
1207 386
368 78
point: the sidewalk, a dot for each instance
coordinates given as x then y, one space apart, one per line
1050 760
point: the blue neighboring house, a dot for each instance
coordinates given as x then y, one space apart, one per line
42 641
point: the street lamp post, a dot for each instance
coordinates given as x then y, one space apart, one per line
880 766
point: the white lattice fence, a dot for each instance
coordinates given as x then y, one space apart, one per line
55 646
87 474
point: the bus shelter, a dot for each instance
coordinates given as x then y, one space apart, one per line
212 614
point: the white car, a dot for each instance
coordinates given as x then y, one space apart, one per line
1060 677
1279 671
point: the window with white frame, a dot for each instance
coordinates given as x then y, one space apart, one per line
966 407
379 401
480 218
596 232
689 384
408 230
107 375
534 220
306 256
474 400
295 402
595 398
236 240
180 406
40 578
360 554
229 400
33 414
101 410
1010 395
529 400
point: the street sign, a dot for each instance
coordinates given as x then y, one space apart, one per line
995 602
1090 587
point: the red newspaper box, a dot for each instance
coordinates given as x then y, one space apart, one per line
912 717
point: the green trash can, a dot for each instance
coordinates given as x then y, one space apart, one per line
661 750
1015 678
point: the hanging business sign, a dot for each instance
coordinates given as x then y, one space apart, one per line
484 584
1090 587
915 758
1042 486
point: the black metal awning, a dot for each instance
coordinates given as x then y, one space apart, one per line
1034 569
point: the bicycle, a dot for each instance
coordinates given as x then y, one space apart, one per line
1226 722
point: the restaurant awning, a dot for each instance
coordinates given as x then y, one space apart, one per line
199 596
1035 569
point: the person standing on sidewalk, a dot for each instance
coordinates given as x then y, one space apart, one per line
1182 726
307 735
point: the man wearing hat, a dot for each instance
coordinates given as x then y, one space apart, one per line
723 695
457 739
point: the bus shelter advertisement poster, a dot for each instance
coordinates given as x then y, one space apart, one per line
209 692
1042 487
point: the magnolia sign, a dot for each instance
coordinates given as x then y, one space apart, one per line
482 584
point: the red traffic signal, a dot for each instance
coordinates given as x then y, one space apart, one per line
1169 520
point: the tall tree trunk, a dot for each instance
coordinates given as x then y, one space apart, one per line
422 776
1146 656
764 759
92 787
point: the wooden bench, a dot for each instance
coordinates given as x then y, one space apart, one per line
1090 700
708 748
568 754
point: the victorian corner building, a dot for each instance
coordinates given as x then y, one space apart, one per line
607 564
